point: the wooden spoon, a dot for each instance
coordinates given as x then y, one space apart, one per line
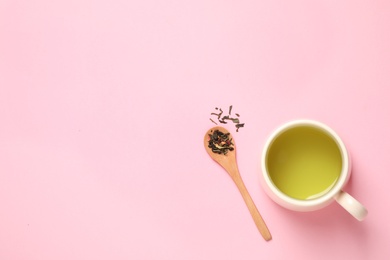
229 163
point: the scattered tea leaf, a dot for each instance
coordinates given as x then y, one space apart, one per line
239 126
213 121
223 118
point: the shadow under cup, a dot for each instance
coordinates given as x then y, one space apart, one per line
304 162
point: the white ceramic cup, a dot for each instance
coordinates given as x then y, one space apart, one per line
354 207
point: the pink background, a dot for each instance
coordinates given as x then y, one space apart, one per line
104 104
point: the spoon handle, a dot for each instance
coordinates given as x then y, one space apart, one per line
261 226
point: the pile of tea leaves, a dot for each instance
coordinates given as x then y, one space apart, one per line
223 119
220 143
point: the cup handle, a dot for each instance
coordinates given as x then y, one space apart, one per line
350 204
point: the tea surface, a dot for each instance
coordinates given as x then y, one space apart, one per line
304 162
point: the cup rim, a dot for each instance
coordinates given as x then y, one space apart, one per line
328 195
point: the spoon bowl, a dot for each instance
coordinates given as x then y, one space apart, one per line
229 163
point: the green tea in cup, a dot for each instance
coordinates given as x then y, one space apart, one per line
304 162
305 166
